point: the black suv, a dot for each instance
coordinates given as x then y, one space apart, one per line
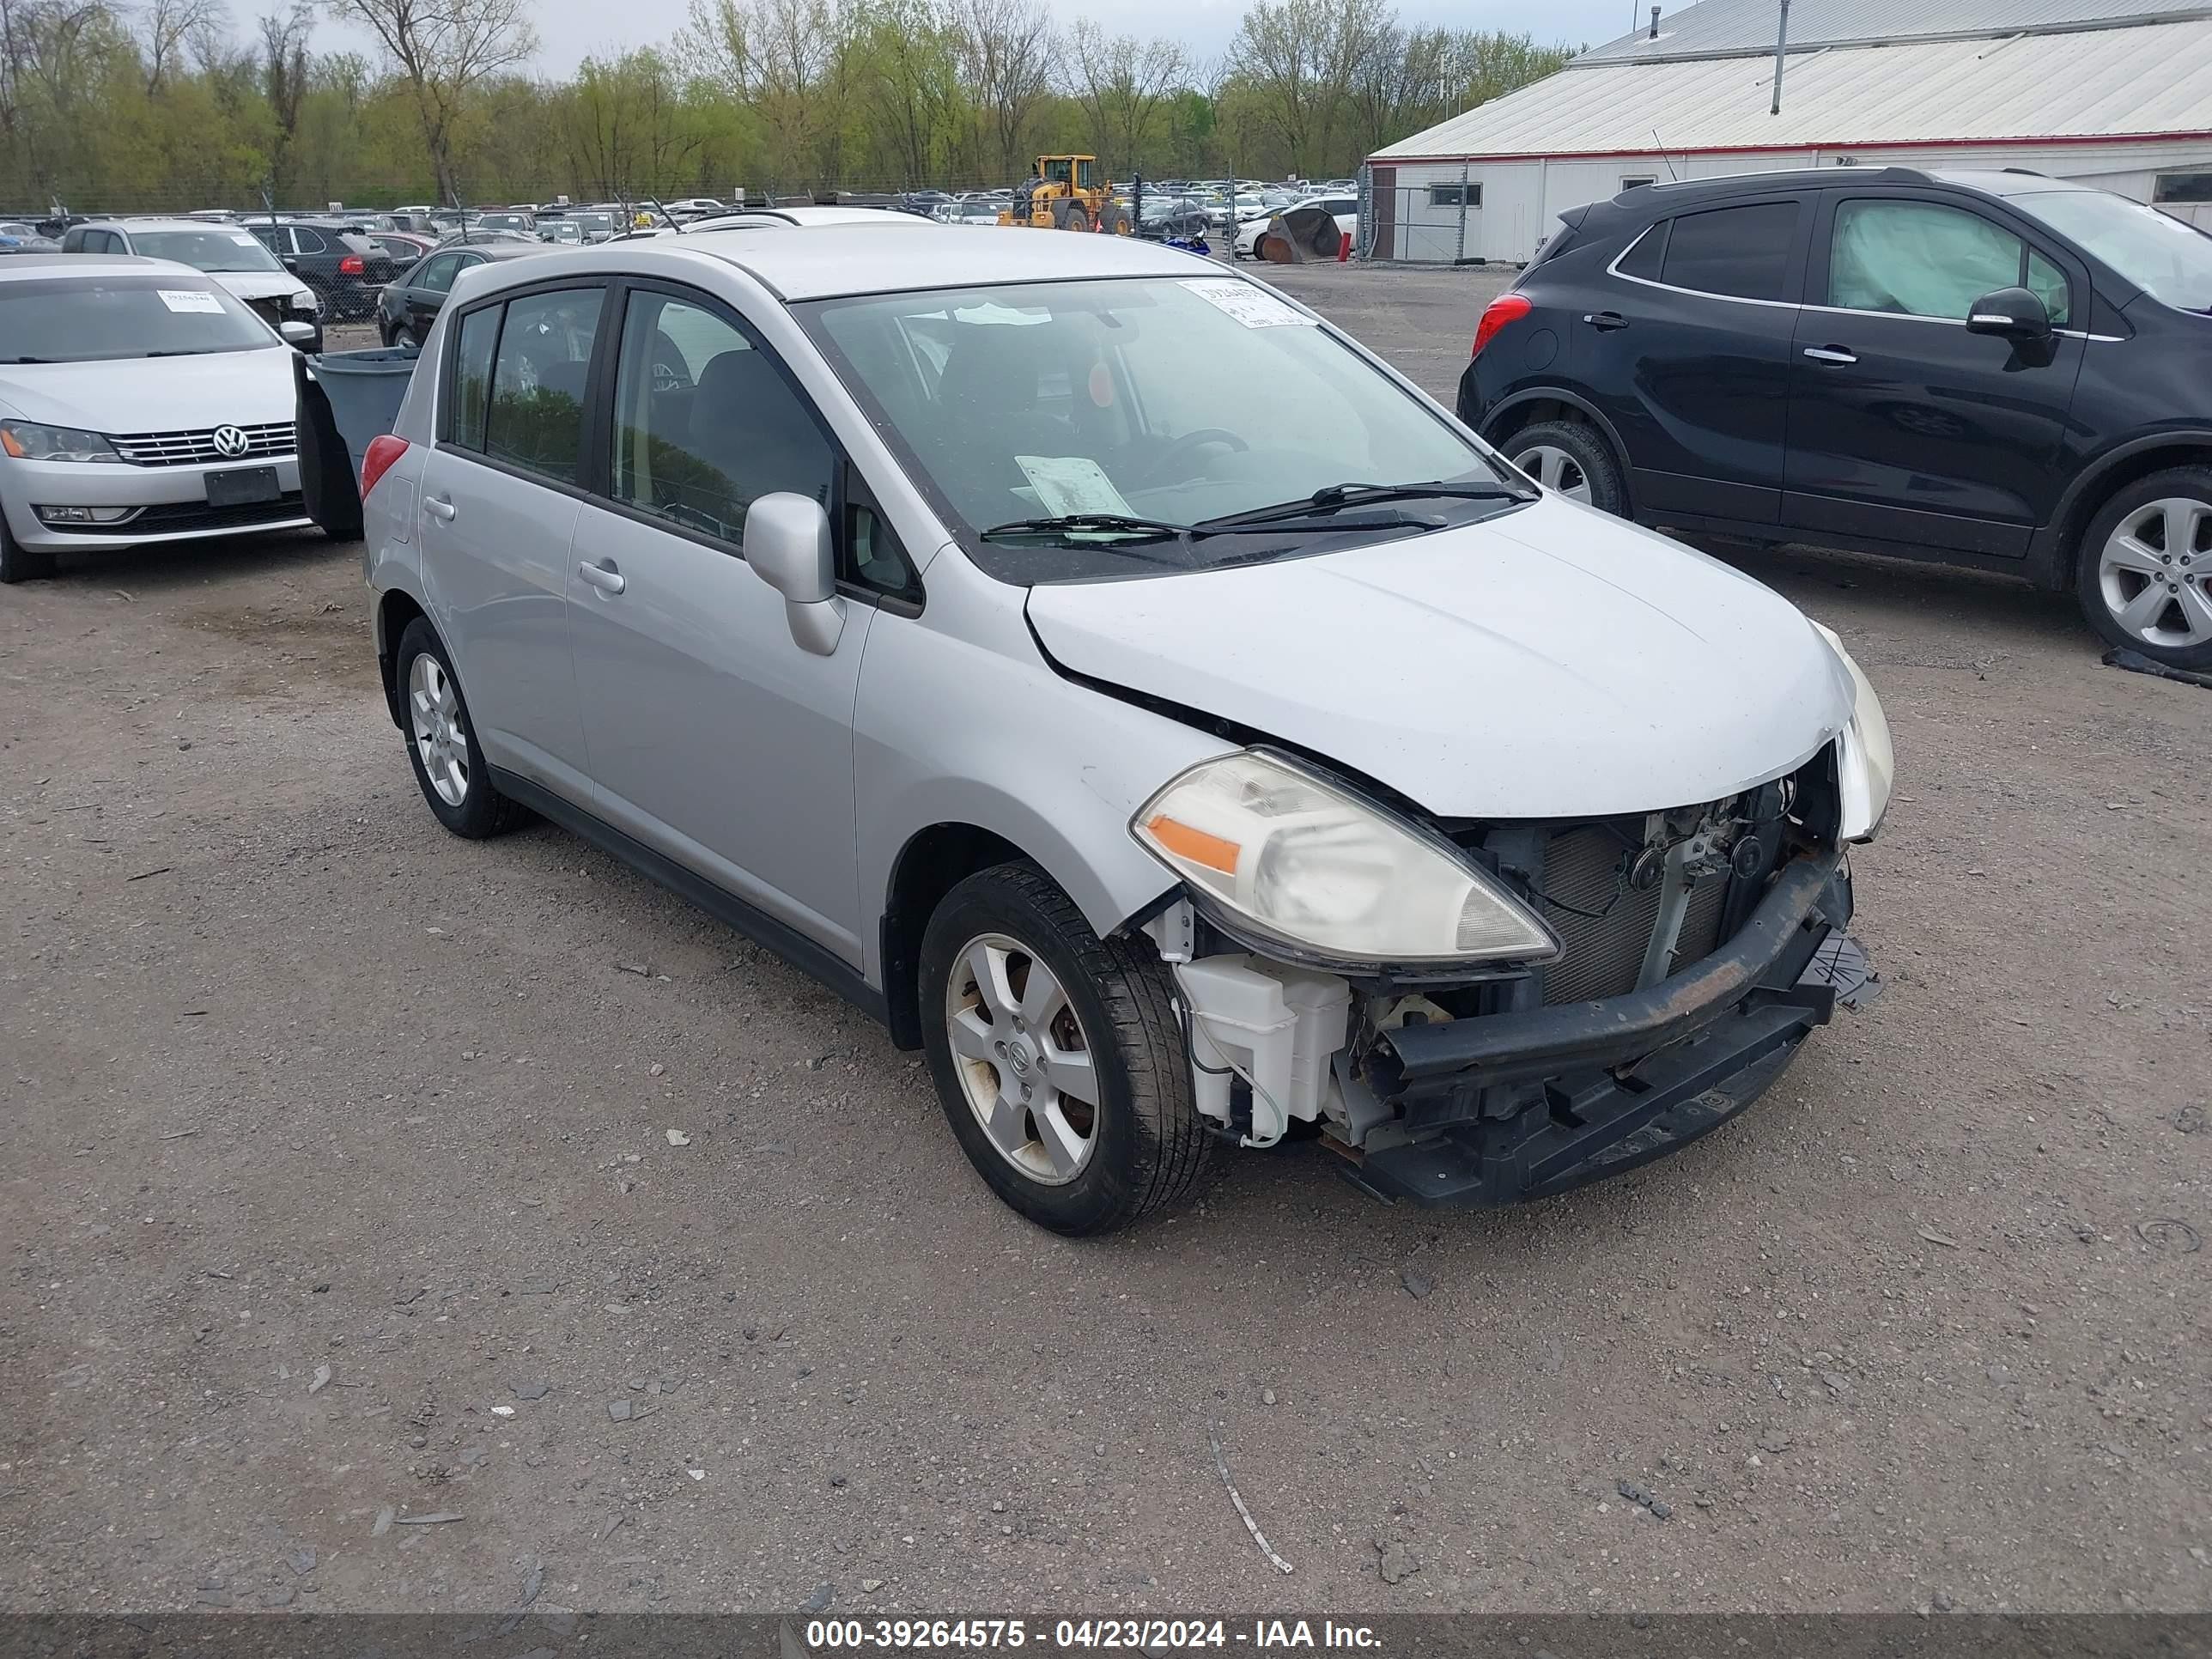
1993 369
344 267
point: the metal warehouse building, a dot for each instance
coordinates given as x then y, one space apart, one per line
2115 93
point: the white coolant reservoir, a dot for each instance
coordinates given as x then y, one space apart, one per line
1275 1026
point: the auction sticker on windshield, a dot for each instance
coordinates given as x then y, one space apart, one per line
190 299
1253 307
1071 484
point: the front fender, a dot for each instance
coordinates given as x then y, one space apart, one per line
951 730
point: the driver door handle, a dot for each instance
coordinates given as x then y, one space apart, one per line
1831 354
605 577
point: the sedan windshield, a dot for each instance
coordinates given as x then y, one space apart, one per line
2168 260
208 250
89 320
1172 404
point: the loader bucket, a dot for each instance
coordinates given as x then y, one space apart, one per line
1299 237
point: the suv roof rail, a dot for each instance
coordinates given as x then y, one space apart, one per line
1896 175
2029 173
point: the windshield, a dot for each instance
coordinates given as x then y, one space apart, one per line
207 250
2168 260
1176 400
86 319
505 221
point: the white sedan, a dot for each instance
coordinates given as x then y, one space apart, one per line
140 402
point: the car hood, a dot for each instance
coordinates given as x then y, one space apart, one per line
1550 662
258 284
154 394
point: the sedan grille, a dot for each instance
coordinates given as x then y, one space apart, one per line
198 448
1604 924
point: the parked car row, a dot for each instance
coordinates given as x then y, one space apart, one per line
1992 369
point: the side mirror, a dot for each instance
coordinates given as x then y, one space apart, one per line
2010 313
788 545
301 335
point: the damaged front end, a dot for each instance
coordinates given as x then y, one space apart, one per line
1689 952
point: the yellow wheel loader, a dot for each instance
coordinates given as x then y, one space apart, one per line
1067 192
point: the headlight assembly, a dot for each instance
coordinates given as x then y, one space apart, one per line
1866 762
304 300
28 442
1284 858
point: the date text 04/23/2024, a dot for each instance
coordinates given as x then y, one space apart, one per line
1129 1635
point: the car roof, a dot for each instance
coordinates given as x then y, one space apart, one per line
21 267
886 258
133 222
823 215
854 259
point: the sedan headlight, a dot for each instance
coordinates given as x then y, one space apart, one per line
28 441
1866 764
303 300
1288 860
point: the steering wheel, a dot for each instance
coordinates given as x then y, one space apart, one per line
666 377
1179 448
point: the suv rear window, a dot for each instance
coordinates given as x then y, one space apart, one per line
1740 252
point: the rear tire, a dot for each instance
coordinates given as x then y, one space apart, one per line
441 741
1571 457
2143 571
21 564
1067 1015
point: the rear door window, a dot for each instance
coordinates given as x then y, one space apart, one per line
472 354
1742 253
535 417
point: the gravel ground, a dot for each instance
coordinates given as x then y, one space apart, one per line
390 1219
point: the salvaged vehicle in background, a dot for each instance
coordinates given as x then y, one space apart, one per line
1175 768
140 402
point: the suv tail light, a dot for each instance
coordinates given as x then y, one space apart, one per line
1505 309
351 265
382 452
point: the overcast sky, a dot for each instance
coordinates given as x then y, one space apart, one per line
567 30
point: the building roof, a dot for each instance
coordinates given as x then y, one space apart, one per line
2146 80
1747 27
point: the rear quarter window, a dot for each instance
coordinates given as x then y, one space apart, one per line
1741 252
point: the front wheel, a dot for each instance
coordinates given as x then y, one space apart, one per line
2144 571
19 564
1572 458
1056 1055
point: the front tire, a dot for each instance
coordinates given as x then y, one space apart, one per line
2143 572
441 741
1057 1056
1571 457
19 564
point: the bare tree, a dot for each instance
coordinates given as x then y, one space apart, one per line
171 26
284 37
442 50
1005 54
1121 84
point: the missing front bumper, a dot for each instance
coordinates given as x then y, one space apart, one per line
1511 1107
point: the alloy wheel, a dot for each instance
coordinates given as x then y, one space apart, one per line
2154 570
1553 468
441 735
1024 1064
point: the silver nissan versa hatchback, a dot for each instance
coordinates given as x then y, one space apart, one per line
1174 766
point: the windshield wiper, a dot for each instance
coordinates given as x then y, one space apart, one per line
1331 497
1089 524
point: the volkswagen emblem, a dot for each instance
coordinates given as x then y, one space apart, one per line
230 442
